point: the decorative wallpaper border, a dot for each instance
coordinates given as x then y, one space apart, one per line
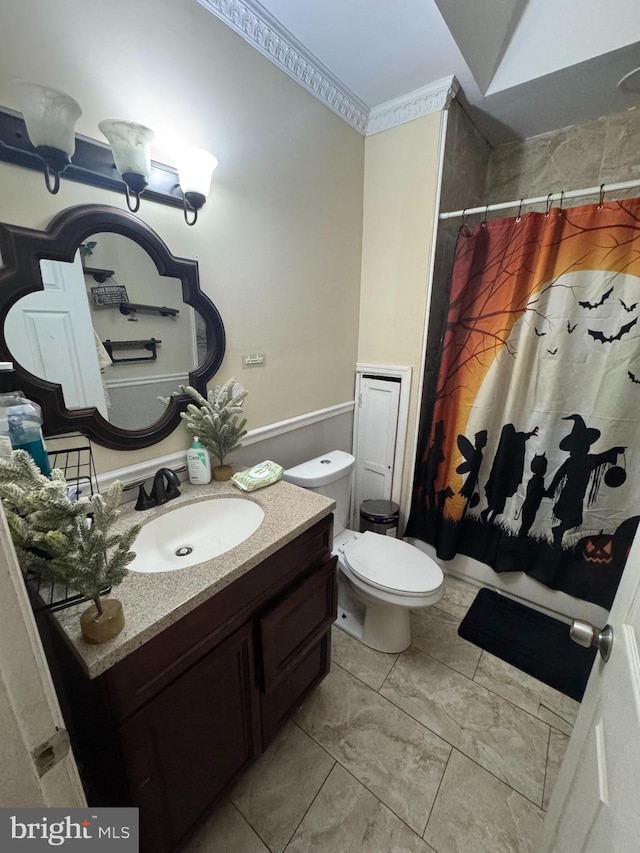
263 32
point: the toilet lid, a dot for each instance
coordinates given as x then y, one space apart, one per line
391 564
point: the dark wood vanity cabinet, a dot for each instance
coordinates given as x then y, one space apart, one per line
170 726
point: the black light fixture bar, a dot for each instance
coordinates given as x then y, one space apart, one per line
92 163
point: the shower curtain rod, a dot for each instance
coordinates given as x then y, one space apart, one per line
550 198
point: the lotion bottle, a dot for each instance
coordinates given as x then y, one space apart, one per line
198 464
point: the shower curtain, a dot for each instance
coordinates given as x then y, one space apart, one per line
531 462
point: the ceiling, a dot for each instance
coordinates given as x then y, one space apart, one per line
524 66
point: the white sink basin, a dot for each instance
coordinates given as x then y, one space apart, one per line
193 533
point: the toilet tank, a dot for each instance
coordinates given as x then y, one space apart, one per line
330 475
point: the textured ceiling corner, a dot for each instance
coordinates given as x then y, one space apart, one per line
263 32
429 99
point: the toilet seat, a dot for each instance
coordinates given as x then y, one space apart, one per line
392 565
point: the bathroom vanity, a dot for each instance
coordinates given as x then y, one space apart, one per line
165 715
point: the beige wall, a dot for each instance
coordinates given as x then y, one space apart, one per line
278 242
400 190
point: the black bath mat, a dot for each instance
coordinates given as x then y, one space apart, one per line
533 642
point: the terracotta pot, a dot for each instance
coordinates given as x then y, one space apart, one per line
98 628
222 473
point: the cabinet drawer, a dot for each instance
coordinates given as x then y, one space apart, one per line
278 704
293 625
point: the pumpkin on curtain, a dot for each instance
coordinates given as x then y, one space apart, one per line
532 461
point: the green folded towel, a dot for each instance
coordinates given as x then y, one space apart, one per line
263 474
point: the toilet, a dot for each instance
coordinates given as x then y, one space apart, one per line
380 579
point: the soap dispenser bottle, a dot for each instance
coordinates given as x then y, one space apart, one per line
198 464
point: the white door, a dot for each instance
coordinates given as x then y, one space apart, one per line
30 718
376 439
50 334
594 808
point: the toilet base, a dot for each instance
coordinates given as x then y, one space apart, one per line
384 628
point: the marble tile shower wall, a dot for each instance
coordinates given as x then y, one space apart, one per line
584 155
464 172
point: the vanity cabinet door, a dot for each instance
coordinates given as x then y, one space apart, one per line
188 743
291 626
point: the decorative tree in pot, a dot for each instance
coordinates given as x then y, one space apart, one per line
215 421
68 542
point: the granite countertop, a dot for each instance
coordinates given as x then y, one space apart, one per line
152 602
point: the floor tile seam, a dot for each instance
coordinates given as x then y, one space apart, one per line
458 747
495 693
293 834
249 824
388 675
435 799
397 708
568 722
382 803
337 761
452 616
375 689
546 770
504 782
451 745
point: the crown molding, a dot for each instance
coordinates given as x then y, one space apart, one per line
264 33
429 99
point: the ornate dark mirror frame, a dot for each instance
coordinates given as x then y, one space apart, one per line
22 250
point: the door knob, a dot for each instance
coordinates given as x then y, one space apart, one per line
587 635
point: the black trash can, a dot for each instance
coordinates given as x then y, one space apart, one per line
379 517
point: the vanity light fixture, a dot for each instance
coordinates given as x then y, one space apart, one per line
195 168
50 117
131 147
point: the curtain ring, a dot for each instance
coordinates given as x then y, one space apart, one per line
464 219
561 200
484 221
549 203
601 201
519 217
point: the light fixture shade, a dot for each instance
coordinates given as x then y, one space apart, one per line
195 168
50 115
130 144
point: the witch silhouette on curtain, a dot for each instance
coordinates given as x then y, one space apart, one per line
569 484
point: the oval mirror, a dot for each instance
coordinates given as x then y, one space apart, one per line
101 321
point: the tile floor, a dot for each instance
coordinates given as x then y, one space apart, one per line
442 748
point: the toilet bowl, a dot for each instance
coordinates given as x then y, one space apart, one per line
380 578
388 578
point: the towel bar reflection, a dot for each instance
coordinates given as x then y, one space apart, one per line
150 345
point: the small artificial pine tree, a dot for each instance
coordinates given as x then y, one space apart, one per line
67 542
215 419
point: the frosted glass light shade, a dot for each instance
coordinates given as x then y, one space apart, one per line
195 168
130 144
50 115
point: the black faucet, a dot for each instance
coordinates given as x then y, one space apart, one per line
165 488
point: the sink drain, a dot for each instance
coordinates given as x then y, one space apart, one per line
184 551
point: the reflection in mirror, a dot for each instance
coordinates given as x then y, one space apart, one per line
81 333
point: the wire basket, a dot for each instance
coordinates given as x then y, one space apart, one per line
73 455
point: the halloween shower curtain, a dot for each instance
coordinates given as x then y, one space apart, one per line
532 461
